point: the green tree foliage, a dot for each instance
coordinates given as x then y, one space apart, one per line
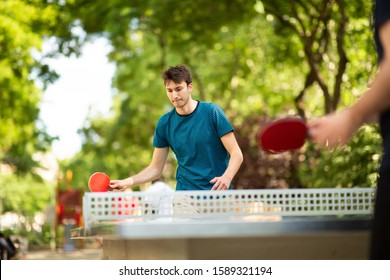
331 33
23 27
25 195
337 45
354 166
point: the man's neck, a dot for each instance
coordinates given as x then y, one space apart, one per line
188 108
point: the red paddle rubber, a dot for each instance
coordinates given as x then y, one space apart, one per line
283 135
98 182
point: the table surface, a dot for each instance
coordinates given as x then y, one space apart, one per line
165 228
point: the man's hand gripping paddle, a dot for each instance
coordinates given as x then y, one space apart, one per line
283 135
98 182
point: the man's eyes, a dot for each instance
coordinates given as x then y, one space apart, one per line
176 89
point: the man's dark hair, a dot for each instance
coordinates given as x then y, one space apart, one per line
177 74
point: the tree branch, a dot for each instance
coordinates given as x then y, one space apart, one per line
342 55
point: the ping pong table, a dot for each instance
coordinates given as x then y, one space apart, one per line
235 224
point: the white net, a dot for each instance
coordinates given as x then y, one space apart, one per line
140 206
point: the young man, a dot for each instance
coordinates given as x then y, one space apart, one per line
198 133
374 105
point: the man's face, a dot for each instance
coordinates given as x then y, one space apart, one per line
179 94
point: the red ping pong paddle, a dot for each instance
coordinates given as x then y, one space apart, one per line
283 135
98 182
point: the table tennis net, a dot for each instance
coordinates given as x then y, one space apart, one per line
141 206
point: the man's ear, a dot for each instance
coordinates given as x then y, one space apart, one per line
189 86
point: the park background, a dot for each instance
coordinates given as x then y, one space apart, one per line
259 60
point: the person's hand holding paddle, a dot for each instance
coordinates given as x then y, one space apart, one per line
120 185
291 133
334 130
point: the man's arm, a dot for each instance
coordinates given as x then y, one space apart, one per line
153 171
236 158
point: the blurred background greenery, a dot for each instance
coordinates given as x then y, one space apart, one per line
257 59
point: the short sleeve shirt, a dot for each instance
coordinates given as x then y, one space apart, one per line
195 140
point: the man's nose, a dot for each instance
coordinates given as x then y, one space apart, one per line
175 94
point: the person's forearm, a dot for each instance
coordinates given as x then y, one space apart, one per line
147 175
235 161
376 100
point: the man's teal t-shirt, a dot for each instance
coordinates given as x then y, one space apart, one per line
196 141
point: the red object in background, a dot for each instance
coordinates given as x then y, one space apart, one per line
283 135
69 205
98 182
60 212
